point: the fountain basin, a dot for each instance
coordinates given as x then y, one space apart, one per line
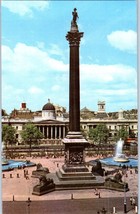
121 158
132 162
4 162
9 165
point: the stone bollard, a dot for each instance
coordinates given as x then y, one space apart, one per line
114 210
11 176
3 175
72 196
136 210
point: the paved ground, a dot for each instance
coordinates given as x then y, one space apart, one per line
75 206
21 188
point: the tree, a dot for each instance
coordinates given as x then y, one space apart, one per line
131 133
8 135
99 135
122 133
30 134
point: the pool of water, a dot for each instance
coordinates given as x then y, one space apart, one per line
12 164
110 162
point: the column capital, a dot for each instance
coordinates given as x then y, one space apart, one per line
74 38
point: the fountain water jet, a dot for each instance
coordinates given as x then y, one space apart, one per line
119 156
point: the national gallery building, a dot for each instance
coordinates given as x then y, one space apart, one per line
53 121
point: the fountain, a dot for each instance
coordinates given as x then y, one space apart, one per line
8 165
119 156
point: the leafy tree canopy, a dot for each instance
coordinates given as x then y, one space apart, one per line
30 133
122 133
8 134
99 134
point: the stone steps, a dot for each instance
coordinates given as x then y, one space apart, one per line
74 175
77 183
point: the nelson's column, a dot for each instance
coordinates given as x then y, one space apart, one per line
74 173
74 141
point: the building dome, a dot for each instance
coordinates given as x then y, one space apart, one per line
49 106
48 111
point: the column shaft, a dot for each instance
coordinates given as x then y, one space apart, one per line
74 90
74 83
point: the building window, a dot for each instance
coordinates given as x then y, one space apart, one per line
115 127
110 134
16 127
16 136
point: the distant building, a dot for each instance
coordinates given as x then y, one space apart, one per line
53 120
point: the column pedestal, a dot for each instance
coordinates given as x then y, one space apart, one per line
74 172
75 152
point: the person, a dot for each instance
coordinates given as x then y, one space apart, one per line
131 200
75 15
96 192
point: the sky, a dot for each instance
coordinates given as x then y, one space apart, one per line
35 53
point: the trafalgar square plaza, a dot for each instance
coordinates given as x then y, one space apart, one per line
73 182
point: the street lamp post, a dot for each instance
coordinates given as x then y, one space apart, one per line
125 207
28 204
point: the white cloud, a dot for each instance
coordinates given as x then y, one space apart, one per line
41 45
107 73
55 50
124 40
112 83
26 59
7 53
35 90
25 67
23 8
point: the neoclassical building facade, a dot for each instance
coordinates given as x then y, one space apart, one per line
50 121
53 121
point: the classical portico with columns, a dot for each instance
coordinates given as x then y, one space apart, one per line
53 130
